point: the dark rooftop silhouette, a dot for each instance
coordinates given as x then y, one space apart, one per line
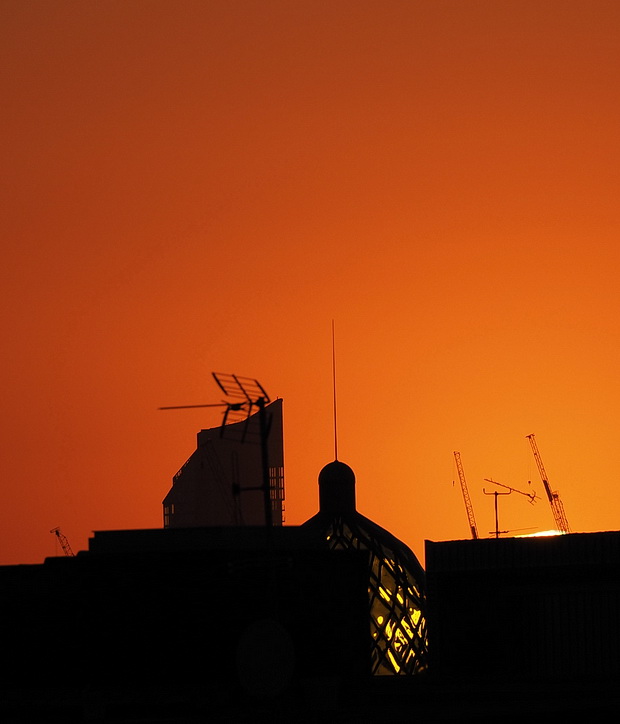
331 620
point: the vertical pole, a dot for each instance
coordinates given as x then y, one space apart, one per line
496 494
264 433
334 386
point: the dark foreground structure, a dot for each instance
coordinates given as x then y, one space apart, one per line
250 623
528 625
301 624
170 625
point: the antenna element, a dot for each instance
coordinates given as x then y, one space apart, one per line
334 386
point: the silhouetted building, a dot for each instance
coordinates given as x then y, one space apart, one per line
334 620
536 615
222 481
397 598
168 623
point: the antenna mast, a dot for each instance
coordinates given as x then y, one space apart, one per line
496 493
334 389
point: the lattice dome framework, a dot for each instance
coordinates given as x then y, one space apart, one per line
396 585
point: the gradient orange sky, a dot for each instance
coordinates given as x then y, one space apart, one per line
196 186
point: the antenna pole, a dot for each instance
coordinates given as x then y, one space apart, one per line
334 386
496 493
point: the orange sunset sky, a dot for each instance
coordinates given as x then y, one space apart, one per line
198 186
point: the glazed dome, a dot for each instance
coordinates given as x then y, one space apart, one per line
396 580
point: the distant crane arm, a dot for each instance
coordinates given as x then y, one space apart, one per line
64 542
557 507
468 505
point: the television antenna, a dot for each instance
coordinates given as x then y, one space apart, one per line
245 395
496 493
531 496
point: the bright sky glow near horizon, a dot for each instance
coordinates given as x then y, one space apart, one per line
196 186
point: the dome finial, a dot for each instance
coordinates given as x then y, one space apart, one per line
337 488
334 389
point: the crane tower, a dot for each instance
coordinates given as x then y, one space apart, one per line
468 505
554 497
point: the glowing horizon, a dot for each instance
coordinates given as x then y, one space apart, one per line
541 533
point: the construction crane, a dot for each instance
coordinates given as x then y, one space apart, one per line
553 495
64 542
468 505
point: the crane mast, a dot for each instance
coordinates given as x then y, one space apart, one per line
554 497
468 505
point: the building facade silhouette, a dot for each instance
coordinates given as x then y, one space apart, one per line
222 482
532 609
